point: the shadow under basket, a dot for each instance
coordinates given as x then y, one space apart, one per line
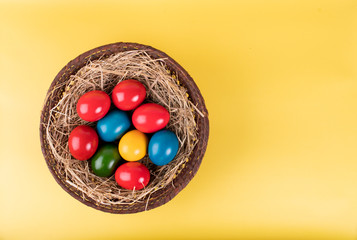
186 173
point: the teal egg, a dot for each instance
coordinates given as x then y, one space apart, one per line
113 125
163 147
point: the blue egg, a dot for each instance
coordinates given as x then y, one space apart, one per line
113 125
163 147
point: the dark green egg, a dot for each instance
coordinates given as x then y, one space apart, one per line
106 160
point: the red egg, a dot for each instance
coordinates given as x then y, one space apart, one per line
132 175
150 117
83 142
128 94
93 105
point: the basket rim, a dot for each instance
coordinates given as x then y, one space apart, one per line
163 195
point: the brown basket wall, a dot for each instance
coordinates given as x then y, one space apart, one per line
161 196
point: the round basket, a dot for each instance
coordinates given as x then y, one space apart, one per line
185 174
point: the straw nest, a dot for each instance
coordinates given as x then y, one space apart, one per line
103 74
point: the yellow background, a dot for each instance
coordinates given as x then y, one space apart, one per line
280 82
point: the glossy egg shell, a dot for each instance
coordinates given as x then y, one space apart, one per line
133 145
113 125
150 117
128 94
163 147
105 161
132 175
93 105
83 142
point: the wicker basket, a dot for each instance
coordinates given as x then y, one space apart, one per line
161 196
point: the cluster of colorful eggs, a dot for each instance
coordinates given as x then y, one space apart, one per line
115 125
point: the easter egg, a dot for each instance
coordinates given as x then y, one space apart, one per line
163 147
105 161
83 142
128 94
133 145
150 117
113 125
93 105
132 175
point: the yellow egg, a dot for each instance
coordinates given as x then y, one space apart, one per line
133 145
